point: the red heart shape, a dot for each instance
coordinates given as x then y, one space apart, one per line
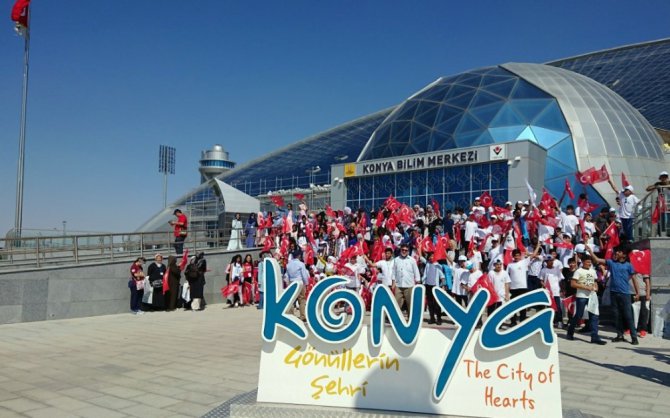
641 261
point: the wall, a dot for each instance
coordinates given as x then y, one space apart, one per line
87 290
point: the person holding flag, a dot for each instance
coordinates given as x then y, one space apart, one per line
661 203
551 276
628 208
584 281
501 281
621 274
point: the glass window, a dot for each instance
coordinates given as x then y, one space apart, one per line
403 184
418 183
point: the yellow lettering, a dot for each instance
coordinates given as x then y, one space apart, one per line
289 357
318 387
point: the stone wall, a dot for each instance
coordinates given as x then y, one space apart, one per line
87 290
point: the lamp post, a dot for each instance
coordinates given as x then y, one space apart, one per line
312 171
64 224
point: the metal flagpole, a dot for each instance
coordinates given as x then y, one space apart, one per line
165 189
18 220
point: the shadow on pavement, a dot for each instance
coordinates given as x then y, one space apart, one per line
646 373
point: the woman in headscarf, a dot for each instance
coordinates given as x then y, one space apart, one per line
195 274
136 285
250 230
235 242
174 277
153 288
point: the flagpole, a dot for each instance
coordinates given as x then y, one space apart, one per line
18 220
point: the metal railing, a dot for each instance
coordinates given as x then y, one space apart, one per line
16 253
642 224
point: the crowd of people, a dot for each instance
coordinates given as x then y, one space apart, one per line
577 251
161 288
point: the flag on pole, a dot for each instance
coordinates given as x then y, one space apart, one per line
624 180
531 194
568 189
20 16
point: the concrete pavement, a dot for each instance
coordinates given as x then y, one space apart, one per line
181 364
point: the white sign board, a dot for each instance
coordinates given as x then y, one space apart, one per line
342 360
522 380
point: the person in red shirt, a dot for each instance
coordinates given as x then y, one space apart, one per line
248 275
180 231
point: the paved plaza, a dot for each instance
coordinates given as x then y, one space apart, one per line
184 364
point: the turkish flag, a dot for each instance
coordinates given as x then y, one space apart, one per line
482 245
391 223
549 221
184 260
309 231
568 189
624 180
427 245
585 177
391 203
498 211
284 246
564 244
277 200
299 196
660 208
380 219
20 12
330 212
507 257
436 207
377 251
601 175
406 215
486 200
441 248
485 283
309 255
570 305
586 206
268 244
547 285
641 261
547 199
166 282
613 233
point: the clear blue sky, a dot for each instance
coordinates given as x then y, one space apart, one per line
113 79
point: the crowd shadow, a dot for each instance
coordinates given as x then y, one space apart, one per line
646 373
655 352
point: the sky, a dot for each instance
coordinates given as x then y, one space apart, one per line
111 80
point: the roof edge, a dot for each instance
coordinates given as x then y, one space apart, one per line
602 51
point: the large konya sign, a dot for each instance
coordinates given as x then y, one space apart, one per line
334 360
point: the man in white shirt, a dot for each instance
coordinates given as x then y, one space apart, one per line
570 221
551 276
406 275
385 268
518 273
500 280
471 228
584 280
432 276
496 249
629 203
477 208
461 274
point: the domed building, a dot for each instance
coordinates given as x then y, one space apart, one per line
489 129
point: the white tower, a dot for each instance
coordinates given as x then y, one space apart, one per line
214 162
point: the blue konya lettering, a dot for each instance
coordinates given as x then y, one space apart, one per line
331 328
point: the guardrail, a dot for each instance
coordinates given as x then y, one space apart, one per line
643 225
75 249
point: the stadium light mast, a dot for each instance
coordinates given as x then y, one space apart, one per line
166 163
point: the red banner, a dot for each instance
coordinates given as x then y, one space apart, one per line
20 12
486 200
